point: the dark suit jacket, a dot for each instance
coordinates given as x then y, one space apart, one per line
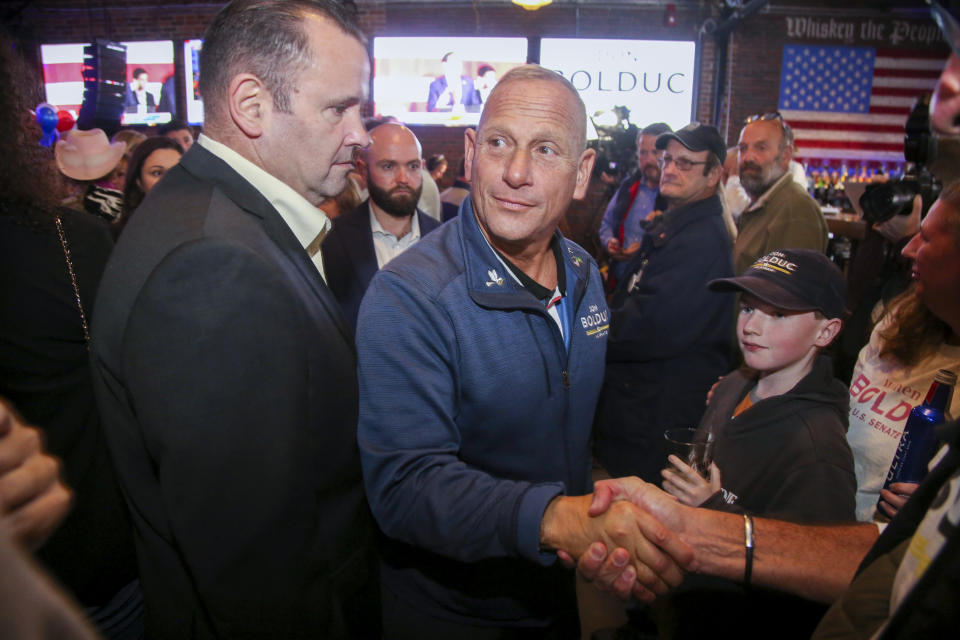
168 97
130 101
226 380
468 97
350 260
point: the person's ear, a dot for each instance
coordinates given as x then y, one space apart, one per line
249 104
469 148
786 156
584 171
714 175
828 331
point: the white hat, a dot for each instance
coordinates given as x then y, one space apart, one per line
88 155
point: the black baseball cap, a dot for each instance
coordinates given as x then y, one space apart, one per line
792 279
696 137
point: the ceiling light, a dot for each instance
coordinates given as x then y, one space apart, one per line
532 5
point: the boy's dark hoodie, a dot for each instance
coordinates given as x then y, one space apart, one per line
786 456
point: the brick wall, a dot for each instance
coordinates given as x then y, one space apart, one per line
757 48
753 55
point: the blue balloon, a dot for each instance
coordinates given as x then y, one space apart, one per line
47 119
50 138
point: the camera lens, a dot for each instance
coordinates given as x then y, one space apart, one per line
880 202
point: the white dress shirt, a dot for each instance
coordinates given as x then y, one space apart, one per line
387 245
308 223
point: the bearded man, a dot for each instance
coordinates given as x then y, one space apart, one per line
385 225
781 214
637 197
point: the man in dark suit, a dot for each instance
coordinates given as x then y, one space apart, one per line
384 226
223 367
137 94
453 91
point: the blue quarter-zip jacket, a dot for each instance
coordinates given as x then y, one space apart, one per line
473 416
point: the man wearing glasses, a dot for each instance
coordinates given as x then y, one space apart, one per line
669 336
637 196
781 214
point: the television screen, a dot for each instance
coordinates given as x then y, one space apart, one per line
653 79
150 91
442 81
191 78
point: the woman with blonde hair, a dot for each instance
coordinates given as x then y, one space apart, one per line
918 334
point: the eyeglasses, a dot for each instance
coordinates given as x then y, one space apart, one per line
683 164
948 25
773 115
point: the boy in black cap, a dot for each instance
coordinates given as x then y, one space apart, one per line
779 425
779 422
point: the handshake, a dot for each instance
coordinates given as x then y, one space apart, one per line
627 537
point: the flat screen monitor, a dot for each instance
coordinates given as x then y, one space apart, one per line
150 92
440 81
191 78
654 79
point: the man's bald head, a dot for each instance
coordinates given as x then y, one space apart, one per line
527 159
392 167
390 133
534 72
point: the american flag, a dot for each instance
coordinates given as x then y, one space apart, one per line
851 103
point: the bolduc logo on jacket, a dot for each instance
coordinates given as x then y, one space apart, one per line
596 322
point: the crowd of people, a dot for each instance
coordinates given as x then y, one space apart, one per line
271 382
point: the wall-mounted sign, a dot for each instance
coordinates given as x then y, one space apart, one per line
876 32
654 79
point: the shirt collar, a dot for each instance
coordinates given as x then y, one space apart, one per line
539 291
377 228
762 200
308 223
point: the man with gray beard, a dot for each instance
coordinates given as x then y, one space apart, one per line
384 226
781 214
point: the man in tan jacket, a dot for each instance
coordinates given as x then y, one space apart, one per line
781 214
